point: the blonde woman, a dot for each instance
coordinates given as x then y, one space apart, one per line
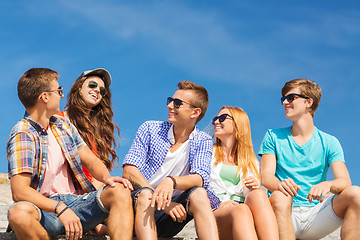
245 211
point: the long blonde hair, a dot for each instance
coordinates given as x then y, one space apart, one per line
242 152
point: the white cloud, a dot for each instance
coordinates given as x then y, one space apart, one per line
189 38
200 42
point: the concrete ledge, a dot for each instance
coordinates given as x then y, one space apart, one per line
11 236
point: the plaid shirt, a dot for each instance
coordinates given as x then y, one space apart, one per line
151 145
27 151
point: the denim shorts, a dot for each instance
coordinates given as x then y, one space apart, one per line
315 222
165 225
87 207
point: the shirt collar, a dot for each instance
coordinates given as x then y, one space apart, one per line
171 136
38 127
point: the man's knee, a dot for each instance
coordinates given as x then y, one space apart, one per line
198 200
22 213
199 195
281 203
352 195
117 194
143 200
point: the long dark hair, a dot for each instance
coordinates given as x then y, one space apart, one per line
96 126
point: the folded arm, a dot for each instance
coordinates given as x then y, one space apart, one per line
133 174
163 192
340 182
271 182
98 169
21 191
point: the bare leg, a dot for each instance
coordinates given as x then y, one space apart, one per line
101 229
235 221
145 227
120 221
24 220
282 206
264 217
97 184
347 205
205 223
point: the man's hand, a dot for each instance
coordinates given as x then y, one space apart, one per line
112 180
251 183
71 222
163 194
318 191
288 187
176 211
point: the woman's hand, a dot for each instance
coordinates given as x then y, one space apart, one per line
251 183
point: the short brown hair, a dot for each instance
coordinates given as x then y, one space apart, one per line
32 83
201 99
307 88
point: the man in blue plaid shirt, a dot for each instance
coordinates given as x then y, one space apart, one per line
169 164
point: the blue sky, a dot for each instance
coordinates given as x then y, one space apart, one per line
241 51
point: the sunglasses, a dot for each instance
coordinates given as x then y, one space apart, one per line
291 97
221 118
60 91
93 84
177 102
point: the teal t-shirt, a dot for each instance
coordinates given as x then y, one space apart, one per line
307 165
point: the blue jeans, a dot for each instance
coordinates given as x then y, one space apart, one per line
87 207
165 225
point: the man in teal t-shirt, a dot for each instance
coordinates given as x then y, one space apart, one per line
295 161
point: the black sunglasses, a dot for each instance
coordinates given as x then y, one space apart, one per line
178 102
60 91
291 97
93 84
221 118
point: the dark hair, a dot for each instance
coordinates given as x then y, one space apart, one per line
307 88
94 125
201 99
32 83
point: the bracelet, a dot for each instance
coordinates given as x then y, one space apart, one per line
174 181
62 211
57 206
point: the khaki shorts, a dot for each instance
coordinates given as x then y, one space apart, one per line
315 222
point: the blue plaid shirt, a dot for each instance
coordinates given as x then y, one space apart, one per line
27 151
151 145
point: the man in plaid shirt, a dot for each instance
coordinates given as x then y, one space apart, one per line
51 192
169 166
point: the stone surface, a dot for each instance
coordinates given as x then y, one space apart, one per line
188 233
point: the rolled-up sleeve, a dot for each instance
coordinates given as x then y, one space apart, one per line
20 154
201 162
137 153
